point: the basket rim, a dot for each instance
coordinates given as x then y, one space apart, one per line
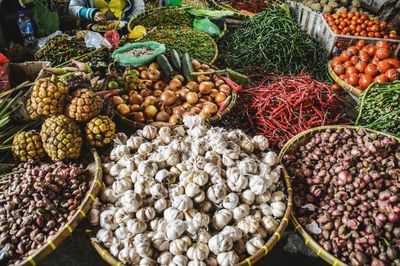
347 87
308 239
69 227
262 252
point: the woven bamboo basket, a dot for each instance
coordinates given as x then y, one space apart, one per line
133 21
110 259
69 227
291 146
350 89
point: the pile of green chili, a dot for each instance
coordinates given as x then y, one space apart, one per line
379 108
165 17
271 41
199 45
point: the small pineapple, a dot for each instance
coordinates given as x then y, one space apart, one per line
27 145
47 98
84 105
61 138
100 131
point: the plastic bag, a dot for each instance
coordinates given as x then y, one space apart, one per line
4 79
205 25
46 18
42 41
124 58
112 37
95 40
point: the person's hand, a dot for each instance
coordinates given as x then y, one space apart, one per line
100 18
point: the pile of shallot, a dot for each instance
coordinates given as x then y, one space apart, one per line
347 194
192 195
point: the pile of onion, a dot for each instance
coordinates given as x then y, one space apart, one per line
154 100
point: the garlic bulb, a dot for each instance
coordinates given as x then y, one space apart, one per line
198 251
180 245
131 201
212 169
230 201
115 248
233 232
136 227
146 214
247 166
142 245
165 177
260 142
179 260
192 190
160 242
147 261
203 236
120 138
128 256
182 203
147 168
94 217
220 243
253 245
278 196
264 198
105 236
270 224
221 218
278 209
134 142
158 191
196 263
159 224
270 158
121 233
118 152
216 193
240 212
199 177
107 219
248 225
261 232
108 196
165 258
258 185
213 158
247 145
121 185
175 229
145 148
172 213
227 258
160 205
235 181
115 169
148 132
202 219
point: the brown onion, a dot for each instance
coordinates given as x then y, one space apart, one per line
192 97
207 98
154 66
203 78
175 84
150 100
175 119
136 99
123 109
206 87
160 85
183 92
162 116
196 110
193 86
225 89
168 109
168 97
125 97
135 108
144 92
132 86
179 77
150 111
154 74
118 100
178 110
213 93
196 64
205 67
144 74
220 97
157 93
210 108
205 115
139 117
187 105
219 82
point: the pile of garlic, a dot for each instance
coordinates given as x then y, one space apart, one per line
192 195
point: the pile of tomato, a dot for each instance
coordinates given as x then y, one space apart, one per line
359 24
362 64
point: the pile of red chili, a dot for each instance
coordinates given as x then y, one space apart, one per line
283 106
253 6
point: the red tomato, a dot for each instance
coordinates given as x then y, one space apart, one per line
392 74
383 66
371 50
353 79
382 53
360 44
377 35
360 66
371 34
339 69
345 56
394 62
375 61
353 50
365 80
364 56
381 79
347 64
393 35
383 44
343 76
336 61
351 70
370 70
354 59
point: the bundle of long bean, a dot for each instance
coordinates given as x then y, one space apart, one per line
283 106
271 41
379 108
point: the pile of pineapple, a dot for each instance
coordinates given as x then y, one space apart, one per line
68 119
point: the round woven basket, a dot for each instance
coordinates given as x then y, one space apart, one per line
350 89
110 259
291 146
133 21
69 227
